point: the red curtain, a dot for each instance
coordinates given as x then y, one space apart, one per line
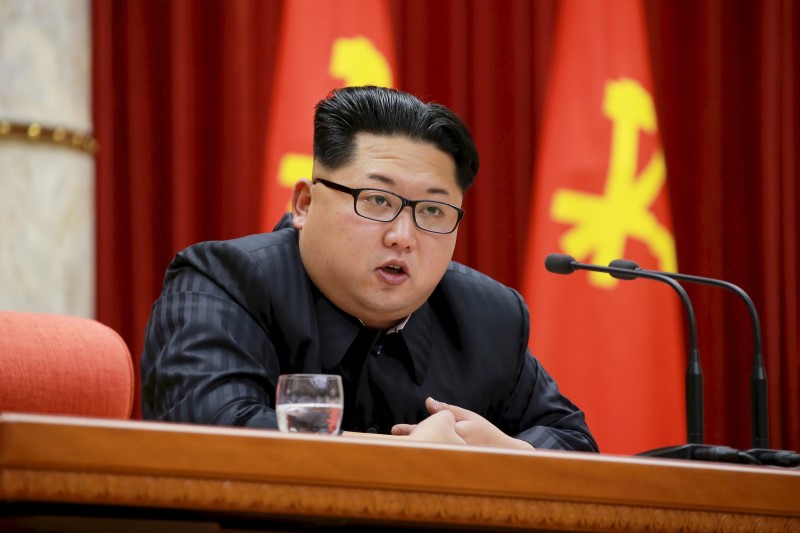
181 92
727 74
180 100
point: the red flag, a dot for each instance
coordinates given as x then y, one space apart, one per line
323 45
615 347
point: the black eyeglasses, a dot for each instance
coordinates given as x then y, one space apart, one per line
385 206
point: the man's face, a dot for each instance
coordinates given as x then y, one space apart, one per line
354 261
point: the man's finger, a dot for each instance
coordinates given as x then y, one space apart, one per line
435 406
403 429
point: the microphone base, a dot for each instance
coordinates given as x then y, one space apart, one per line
766 456
701 452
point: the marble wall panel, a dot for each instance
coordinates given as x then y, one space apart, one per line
47 214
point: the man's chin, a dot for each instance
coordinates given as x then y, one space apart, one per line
378 322
385 317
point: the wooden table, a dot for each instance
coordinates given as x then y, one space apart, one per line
81 474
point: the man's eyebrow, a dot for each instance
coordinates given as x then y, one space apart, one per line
389 181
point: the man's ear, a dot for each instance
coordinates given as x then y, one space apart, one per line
301 202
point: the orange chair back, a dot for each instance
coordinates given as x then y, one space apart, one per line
64 365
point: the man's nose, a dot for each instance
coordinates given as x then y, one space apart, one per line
402 230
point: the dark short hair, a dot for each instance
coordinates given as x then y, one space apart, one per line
381 111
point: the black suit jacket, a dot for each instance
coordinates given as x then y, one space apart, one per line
233 315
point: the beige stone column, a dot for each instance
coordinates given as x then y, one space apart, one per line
47 168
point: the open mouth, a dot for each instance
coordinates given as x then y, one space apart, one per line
392 269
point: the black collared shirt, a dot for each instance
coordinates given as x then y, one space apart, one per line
233 315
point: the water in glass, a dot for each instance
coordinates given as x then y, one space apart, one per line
309 403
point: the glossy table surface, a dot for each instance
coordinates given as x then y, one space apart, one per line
66 473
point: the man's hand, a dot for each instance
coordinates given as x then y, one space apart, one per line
456 425
439 427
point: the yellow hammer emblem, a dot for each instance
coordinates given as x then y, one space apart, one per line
602 224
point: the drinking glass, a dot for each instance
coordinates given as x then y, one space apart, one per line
309 403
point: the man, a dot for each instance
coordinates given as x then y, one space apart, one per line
358 281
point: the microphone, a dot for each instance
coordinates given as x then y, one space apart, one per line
760 452
566 264
759 414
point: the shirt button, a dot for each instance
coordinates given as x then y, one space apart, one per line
373 429
378 349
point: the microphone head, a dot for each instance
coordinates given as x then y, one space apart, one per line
559 263
627 265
